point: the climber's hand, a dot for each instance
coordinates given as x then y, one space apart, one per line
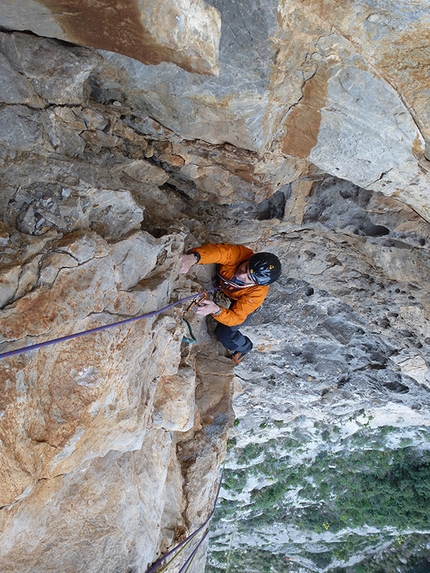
206 307
187 262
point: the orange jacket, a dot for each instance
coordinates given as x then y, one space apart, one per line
228 258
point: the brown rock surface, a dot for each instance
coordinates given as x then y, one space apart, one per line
186 33
111 443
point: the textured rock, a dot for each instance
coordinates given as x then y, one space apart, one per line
231 107
14 88
19 129
213 398
113 442
380 31
98 414
222 174
326 84
341 124
329 108
172 408
341 355
104 412
57 73
128 492
185 33
89 292
38 208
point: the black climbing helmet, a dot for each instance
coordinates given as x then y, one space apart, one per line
264 268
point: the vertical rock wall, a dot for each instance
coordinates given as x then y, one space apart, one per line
336 394
107 455
118 438
317 82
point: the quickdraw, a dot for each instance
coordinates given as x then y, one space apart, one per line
197 301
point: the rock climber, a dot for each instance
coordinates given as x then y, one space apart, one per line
243 276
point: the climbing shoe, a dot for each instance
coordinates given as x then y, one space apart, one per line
237 357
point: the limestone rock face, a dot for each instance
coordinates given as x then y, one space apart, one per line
97 434
315 80
74 409
339 373
57 74
318 84
186 33
111 443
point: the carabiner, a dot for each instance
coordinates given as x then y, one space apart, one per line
198 300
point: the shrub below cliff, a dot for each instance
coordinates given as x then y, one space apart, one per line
351 497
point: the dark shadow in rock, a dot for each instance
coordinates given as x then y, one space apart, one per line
396 387
340 204
343 380
372 230
274 206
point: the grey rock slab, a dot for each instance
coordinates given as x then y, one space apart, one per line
359 141
20 128
82 246
51 265
63 131
134 258
16 88
40 207
144 172
57 73
29 15
231 107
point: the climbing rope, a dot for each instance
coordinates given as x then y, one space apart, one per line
177 550
189 339
180 549
190 559
196 298
197 301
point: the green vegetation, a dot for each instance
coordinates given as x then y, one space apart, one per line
405 555
249 561
269 497
249 453
360 483
235 481
398 495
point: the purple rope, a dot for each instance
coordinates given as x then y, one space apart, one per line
185 566
159 561
99 328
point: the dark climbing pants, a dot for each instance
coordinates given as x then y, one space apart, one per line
232 338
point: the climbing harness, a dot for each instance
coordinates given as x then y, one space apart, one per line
198 298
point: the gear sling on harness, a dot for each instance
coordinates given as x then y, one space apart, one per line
193 297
